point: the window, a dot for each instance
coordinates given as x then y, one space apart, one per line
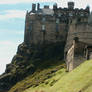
43 19
43 27
79 20
70 14
57 21
59 15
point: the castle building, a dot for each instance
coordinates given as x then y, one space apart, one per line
61 25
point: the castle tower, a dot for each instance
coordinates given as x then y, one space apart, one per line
70 5
25 34
90 19
38 6
88 9
55 6
28 29
33 7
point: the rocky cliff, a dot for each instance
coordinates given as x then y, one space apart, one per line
27 60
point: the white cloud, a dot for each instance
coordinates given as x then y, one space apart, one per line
7 51
62 3
12 14
22 1
14 32
6 43
78 3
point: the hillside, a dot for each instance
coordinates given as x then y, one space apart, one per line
79 80
29 60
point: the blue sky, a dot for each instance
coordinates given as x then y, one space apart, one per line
12 23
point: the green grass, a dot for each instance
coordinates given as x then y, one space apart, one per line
79 80
41 77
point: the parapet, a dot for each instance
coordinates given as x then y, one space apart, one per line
46 6
67 12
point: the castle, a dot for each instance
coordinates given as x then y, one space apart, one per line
68 26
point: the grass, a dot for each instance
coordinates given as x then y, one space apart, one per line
79 80
42 76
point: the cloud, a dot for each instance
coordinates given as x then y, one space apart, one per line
61 3
78 3
7 51
13 32
8 14
23 1
6 43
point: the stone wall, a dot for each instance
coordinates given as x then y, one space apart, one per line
83 31
78 60
70 58
75 55
89 51
90 55
54 32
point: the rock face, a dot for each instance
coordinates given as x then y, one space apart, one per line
17 70
27 60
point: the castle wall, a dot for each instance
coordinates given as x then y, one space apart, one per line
78 60
75 55
83 31
79 53
90 55
89 52
53 32
70 58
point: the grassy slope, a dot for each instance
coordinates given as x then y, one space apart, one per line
79 80
41 76
59 81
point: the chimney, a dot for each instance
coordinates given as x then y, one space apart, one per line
55 6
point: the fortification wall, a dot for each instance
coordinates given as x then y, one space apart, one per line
53 32
78 60
75 55
70 58
83 31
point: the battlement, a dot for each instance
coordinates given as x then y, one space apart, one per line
69 11
63 15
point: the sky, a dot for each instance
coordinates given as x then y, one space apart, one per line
12 24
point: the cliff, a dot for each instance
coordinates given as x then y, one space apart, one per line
28 60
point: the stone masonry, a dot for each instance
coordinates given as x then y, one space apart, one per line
63 25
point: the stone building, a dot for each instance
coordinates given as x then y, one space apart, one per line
46 26
77 54
83 32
